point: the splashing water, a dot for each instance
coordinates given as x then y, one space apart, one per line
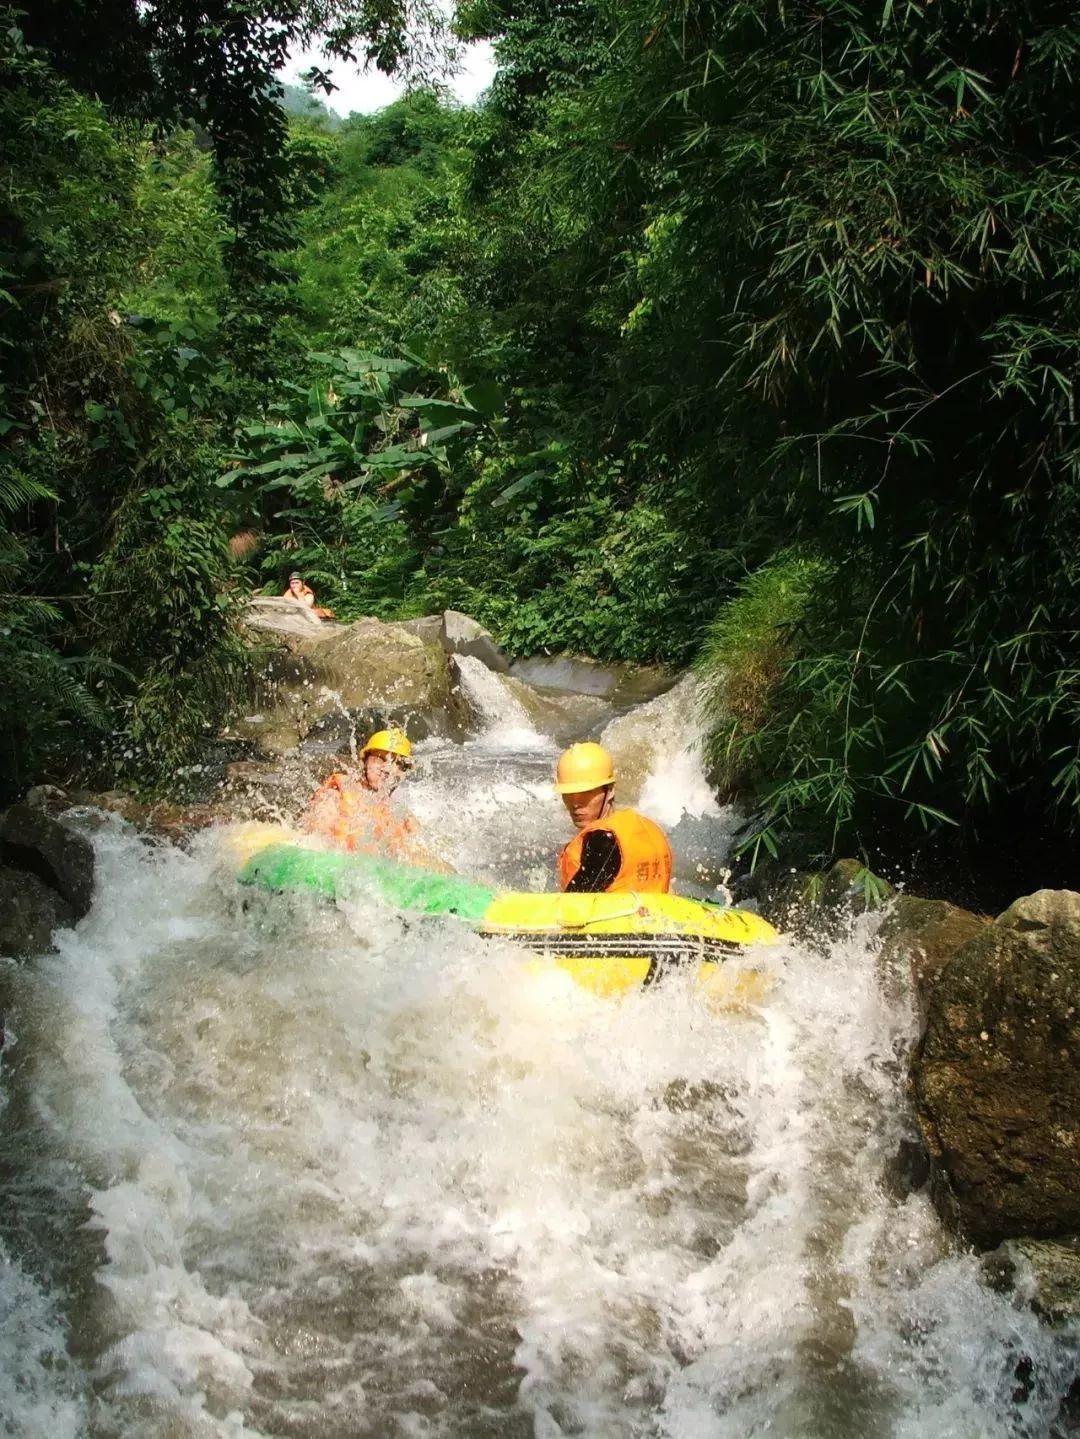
43 1393
506 723
348 1174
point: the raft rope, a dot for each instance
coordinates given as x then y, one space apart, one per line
664 952
688 949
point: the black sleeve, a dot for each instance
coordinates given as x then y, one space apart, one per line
601 860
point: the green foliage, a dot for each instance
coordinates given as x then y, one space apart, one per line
180 271
373 245
551 552
358 429
417 131
332 461
830 262
163 605
897 207
43 693
93 409
144 303
745 658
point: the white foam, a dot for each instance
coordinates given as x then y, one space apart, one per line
658 756
356 1173
676 787
41 1391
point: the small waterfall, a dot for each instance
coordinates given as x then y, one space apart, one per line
657 751
504 719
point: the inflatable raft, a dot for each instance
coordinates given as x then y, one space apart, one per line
608 943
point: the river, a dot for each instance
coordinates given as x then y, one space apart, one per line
273 1168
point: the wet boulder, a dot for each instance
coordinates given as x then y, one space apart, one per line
927 933
1042 1273
462 635
178 822
996 1077
573 674
60 856
370 663
816 903
624 685
115 801
46 876
49 797
273 728
30 911
784 895
426 627
277 792
276 616
849 888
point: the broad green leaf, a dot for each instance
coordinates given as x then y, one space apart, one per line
485 396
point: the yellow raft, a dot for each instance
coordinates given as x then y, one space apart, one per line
610 944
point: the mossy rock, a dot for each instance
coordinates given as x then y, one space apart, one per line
368 666
1042 1272
927 933
996 1078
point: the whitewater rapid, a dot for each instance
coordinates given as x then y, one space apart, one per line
273 1168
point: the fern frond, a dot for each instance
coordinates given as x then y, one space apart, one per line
18 488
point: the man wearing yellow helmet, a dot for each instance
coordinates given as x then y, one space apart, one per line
614 849
352 809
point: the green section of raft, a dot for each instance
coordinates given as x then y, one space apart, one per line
338 876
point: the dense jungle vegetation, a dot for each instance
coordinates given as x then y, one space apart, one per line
743 332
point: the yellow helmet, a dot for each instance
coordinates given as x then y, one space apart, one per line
389 741
583 766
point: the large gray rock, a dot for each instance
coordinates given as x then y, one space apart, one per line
996 1077
48 797
427 628
363 666
464 636
625 685
33 840
278 616
278 792
29 913
573 674
369 663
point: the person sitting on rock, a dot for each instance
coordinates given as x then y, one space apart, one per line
352 810
614 850
303 594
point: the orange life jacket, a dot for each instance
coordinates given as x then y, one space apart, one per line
304 596
352 817
643 849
